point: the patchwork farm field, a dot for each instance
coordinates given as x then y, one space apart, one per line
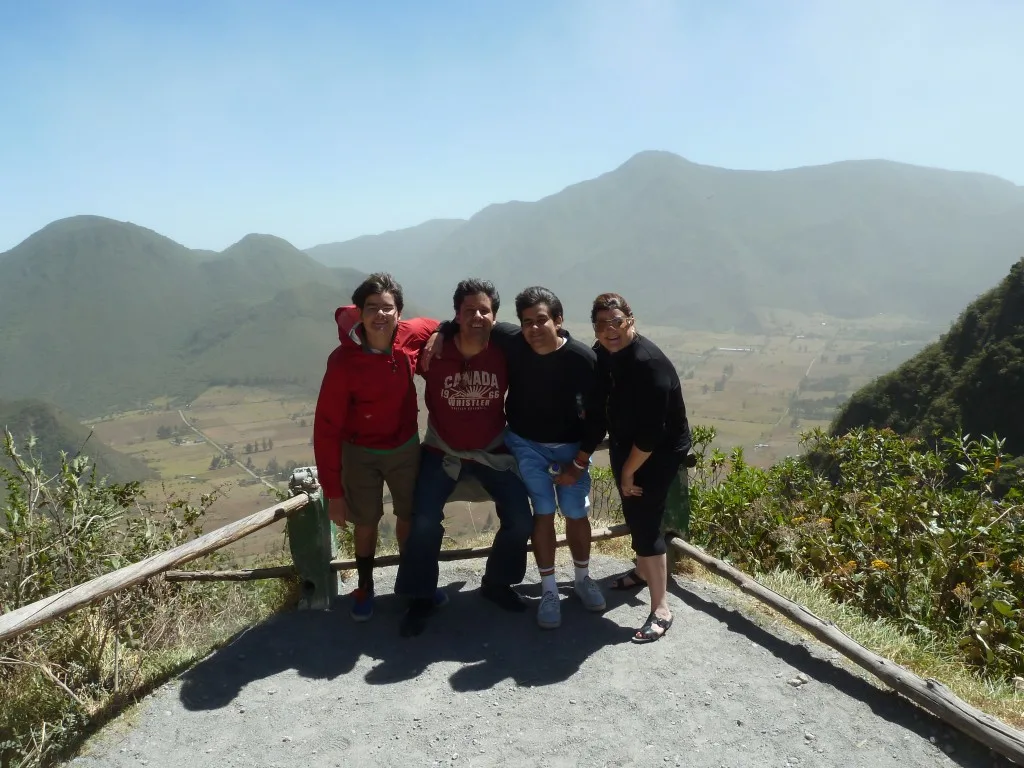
759 391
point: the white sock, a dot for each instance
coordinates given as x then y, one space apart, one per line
548 583
582 571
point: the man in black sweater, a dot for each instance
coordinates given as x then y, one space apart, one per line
551 376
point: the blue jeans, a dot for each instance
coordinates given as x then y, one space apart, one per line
418 567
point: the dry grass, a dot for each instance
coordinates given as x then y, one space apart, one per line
200 618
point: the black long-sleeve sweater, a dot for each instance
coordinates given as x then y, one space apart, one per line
637 400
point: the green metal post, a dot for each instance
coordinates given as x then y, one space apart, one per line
677 512
311 538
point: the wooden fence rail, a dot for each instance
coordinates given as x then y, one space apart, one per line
30 616
929 694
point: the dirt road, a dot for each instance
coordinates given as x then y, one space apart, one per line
223 451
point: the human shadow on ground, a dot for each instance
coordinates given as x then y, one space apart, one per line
886 704
491 645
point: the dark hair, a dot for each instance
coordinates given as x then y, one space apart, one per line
609 301
472 285
534 295
378 282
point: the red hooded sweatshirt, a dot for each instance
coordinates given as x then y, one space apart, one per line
366 398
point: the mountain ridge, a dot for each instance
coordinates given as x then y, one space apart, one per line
97 313
100 314
743 238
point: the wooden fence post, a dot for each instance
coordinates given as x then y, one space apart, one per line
313 544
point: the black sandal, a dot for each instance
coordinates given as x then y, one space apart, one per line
634 581
646 633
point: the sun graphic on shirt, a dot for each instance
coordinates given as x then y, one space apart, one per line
473 392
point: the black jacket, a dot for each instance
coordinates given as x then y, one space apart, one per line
637 400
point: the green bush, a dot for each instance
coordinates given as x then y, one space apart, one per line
58 680
900 529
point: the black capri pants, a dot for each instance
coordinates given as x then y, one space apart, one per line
644 514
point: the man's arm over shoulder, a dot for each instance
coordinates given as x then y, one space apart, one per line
329 424
507 336
502 332
417 330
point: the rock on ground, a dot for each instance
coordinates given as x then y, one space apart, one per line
482 687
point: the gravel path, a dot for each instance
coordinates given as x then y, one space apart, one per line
481 687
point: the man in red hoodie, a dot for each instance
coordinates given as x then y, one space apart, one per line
365 431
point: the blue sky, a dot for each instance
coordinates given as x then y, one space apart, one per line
321 121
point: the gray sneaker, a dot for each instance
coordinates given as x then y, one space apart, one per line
549 614
588 591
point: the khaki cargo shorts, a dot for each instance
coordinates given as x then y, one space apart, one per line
364 473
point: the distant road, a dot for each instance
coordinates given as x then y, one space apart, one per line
786 411
224 452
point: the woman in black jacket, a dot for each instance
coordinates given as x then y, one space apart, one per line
638 401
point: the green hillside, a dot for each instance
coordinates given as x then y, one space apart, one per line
295 329
57 431
971 379
98 314
703 246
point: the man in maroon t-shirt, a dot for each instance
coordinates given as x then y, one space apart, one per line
465 397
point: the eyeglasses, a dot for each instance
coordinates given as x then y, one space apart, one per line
616 322
385 310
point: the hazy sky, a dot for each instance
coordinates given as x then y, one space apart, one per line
321 121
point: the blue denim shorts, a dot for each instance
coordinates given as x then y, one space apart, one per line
534 459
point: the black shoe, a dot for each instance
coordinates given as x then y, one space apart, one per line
415 619
503 595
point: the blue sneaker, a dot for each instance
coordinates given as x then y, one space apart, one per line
440 598
362 608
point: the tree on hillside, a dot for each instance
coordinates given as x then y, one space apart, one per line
971 379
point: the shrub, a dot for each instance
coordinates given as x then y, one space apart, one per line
898 528
59 679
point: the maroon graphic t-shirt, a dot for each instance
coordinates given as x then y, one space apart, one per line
466 396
